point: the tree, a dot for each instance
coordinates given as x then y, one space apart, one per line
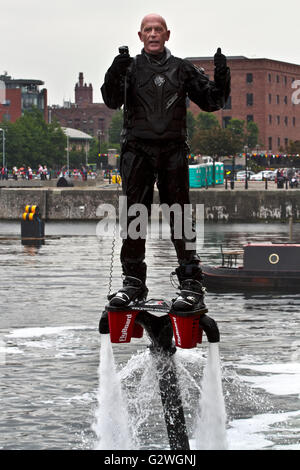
115 128
217 142
31 141
294 147
205 121
190 124
252 134
248 135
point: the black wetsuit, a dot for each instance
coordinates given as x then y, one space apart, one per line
154 137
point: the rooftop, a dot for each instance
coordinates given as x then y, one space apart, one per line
241 57
20 81
76 134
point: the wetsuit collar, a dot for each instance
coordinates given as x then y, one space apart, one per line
159 59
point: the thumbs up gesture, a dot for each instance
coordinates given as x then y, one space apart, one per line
220 59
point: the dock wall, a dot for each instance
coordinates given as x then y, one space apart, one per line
219 205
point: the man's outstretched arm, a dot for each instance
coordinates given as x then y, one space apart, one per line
209 95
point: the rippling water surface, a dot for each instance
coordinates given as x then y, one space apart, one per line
51 301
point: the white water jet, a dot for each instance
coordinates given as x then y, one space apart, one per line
111 417
210 428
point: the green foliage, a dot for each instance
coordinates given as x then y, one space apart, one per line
210 139
31 141
216 142
205 121
104 146
252 134
115 128
191 124
294 147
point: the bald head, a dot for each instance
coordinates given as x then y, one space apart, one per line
153 17
154 33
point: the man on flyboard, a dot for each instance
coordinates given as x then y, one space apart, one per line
154 87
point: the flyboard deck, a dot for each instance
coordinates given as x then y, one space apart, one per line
156 306
160 321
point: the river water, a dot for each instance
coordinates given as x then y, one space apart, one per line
51 301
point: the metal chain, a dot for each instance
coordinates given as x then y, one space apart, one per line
113 245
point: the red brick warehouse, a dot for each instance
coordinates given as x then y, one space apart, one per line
261 91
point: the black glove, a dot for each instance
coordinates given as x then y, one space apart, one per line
120 64
220 59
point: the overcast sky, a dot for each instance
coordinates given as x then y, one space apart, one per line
54 40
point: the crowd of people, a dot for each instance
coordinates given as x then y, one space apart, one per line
26 172
288 175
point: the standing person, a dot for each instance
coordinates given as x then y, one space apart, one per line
15 173
40 172
45 172
154 146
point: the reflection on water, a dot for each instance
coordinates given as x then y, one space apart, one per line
51 300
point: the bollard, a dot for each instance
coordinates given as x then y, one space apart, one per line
32 226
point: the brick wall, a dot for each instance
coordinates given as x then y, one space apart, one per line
12 111
269 77
90 118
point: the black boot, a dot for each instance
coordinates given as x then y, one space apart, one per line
133 289
191 295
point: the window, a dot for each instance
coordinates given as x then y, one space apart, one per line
269 77
285 79
249 99
286 141
270 118
278 120
250 118
294 121
277 99
249 77
286 120
228 103
270 98
277 78
285 99
270 143
278 141
225 121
